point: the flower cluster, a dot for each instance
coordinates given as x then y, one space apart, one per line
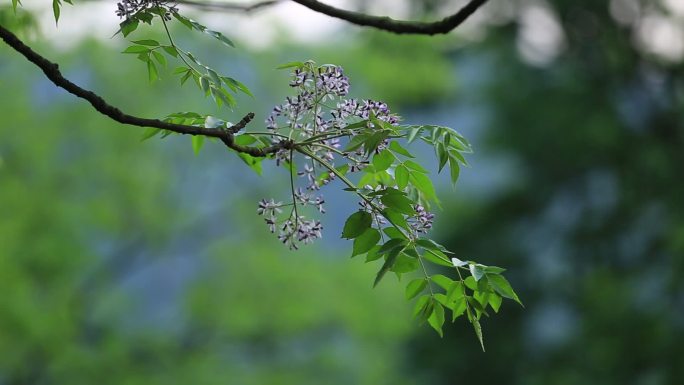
318 115
294 228
128 8
422 221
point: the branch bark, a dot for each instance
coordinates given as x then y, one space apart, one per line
384 23
51 71
443 26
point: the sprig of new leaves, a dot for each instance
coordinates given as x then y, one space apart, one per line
319 136
362 144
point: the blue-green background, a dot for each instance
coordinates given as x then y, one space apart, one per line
129 262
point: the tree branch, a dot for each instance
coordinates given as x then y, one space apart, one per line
52 72
443 26
223 6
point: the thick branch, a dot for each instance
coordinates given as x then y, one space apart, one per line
52 72
396 26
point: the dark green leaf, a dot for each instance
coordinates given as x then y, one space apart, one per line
392 232
364 242
356 224
55 9
128 26
373 254
391 245
398 201
389 262
442 155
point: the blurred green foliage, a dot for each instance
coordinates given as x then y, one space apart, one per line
590 224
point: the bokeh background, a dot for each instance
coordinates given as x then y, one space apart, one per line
129 262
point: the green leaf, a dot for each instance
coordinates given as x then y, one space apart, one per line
150 42
220 37
395 217
494 270
392 244
436 319
150 132
477 271
364 242
389 263
197 142
415 287
429 244
502 287
442 155
443 281
421 304
55 9
478 331
252 162
235 84
413 133
401 176
215 78
437 257
160 58
495 302
136 49
393 233
128 26
152 71
14 5
454 169
356 224
383 160
292 64
184 20
415 166
171 50
204 84
458 263
373 254
396 147
455 291
459 157
398 201
423 183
